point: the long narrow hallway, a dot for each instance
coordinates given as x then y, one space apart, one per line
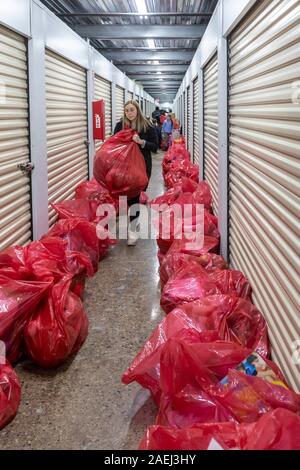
83 404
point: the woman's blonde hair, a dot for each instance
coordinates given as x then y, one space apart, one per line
141 123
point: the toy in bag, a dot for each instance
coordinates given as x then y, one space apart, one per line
120 166
10 392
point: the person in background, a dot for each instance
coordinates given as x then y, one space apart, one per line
163 117
167 127
156 114
146 138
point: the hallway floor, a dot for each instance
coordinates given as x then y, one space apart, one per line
83 404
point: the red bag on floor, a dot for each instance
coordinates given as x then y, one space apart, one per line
81 237
17 302
190 406
200 194
179 170
58 327
172 228
172 262
120 166
10 393
193 282
277 430
80 208
210 245
227 317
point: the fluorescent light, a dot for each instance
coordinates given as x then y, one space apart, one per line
158 73
156 62
151 43
141 6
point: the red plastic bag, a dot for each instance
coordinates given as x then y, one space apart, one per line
58 327
95 191
120 166
172 262
17 302
200 191
276 430
193 282
190 406
81 237
10 393
227 317
210 245
179 170
83 208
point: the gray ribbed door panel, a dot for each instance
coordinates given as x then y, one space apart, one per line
184 115
189 121
15 205
264 182
130 95
66 128
119 103
102 91
196 133
211 169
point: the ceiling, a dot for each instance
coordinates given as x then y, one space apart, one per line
152 41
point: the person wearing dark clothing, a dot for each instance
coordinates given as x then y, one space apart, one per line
156 114
147 140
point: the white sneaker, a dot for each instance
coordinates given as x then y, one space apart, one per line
133 233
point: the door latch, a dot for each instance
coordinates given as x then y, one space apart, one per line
26 167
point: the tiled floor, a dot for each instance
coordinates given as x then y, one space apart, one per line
83 404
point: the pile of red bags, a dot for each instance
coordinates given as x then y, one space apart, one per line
207 363
119 165
42 286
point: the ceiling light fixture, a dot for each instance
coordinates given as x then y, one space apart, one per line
141 7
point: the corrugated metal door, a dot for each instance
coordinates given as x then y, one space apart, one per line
184 114
130 95
66 128
196 132
188 127
102 91
264 154
15 206
211 169
119 102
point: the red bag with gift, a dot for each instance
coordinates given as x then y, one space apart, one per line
120 166
10 393
58 327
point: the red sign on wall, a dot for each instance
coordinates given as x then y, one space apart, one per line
99 119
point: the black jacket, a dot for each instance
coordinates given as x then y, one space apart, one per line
151 144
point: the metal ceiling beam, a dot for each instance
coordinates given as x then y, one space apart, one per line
153 68
130 14
122 56
159 82
146 49
153 77
140 31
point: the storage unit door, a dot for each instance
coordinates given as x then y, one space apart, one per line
184 114
102 91
189 120
15 204
264 150
196 132
130 95
211 169
66 128
119 103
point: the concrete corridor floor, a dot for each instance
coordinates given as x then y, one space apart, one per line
83 404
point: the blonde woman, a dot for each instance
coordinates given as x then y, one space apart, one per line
146 138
